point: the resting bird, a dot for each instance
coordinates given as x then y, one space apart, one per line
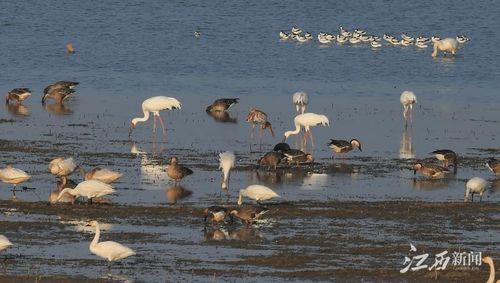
62 168
176 171
474 186
248 214
215 213
447 157
281 147
59 91
430 171
18 94
13 176
102 174
298 157
226 163
222 104
257 192
300 99
257 117
343 146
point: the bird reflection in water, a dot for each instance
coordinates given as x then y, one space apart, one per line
57 109
406 150
17 110
430 184
222 116
176 193
246 233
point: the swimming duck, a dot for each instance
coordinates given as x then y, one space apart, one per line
248 214
376 44
102 174
308 36
421 44
222 104
474 186
197 34
493 165
296 31
342 39
176 171
284 35
435 39
59 91
354 40
301 39
215 213
271 159
447 156
258 117
298 157
405 42
258 193
395 41
343 146
323 39
18 94
430 170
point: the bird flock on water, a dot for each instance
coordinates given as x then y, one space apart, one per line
360 36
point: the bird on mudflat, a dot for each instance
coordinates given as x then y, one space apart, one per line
248 214
14 176
154 105
297 157
102 174
493 165
90 189
448 157
271 160
226 163
257 192
215 213
343 146
430 171
222 104
62 168
474 186
307 120
258 117
18 94
59 91
176 171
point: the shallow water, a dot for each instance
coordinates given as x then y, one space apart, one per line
127 52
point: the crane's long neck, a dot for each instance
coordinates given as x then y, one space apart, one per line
143 119
97 235
297 129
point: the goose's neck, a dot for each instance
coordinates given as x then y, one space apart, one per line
143 119
96 236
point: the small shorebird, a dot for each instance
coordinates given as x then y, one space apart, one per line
176 171
222 104
284 35
89 189
298 157
18 94
300 99
62 168
14 176
102 174
271 160
215 213
257 192
430 171
197 34
59 91
474 186
69 48
154 105
4 243
343 146
258 117
493 165
407 99
226 163
448 157
109 250
248 214
307 120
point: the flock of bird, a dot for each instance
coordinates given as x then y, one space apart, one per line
358 36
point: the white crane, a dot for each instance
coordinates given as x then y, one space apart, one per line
109 250
13 176
307 120
4 243
407 98
226 163
89 189
474 186
154 105
300 99
257 192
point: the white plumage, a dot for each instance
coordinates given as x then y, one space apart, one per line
307 120
257 192
102 174
300 99
61 167
89 189
13 175
445 45
154 105
226 162
4 243
109 250
474 186
407 99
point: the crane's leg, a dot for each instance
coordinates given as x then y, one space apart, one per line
312 140
162 125
154 123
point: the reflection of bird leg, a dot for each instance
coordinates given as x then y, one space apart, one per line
162 125
310 135
252 132
154 123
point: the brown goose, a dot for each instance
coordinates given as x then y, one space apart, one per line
18 94
215 213
448 157
176 171
257 117
298 157
248 214
176 193
271 159
430 171
69 48
222 104
59 91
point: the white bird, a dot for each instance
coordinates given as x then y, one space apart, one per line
109 250
226 163
62 168
155 104
307 120
421 44
407 98
89 189
284 35
102 174
474 186
13 176
296 31
445 45
376 44
300 99
323 39
4 243
257 192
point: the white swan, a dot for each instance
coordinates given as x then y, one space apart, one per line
89 189
61 167
102 174
474 186
109 250
445 45
257 192
4 243
226 163
13 176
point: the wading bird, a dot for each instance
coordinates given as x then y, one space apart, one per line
14 176
176 171
215 213
300 99
4 243
445 45
226 163
248 214
257 117
89 189
430 171
343 146
62 168
154 105
448 157
109 250
256 192
307 120
407 99
222 104
271 160
474 186
59 91
102 174
18 94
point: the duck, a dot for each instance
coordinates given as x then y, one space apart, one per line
102 174
494 166
222 104
18 94
176 171
109 250
405 42
343 146
197 34
296 30
4 243
14 176
248 214
59 91
430 171
421 45
298 157
256 192
258 117
395 41
342 39
284 35
215 213
354 40
61 167
90 189
324 40
376 44
271 160
474 186
281 147
435 38
447 156
308 36
301 39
